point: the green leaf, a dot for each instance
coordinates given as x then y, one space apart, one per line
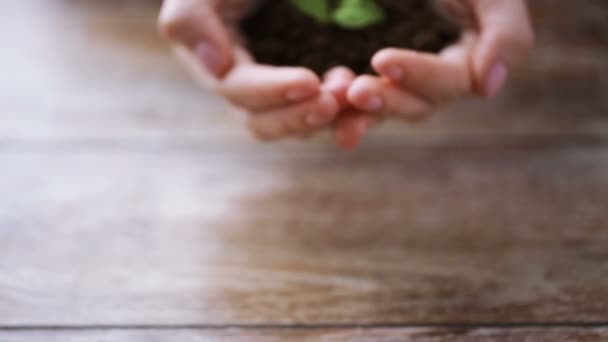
318 9
358 14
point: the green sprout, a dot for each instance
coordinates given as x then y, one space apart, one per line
350 14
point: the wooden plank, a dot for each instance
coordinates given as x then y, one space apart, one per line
126 237
329 335
106 77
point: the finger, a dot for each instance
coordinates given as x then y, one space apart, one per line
506 36
436 78
260 87
350 129
196 25
459 12
337 81
296 119
377 95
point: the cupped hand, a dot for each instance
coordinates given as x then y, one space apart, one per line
411 85
279 101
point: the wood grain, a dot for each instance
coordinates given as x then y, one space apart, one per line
435 236
132 203
328 335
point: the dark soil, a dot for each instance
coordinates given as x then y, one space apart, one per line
278 34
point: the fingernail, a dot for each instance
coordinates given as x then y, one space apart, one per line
209 55
298 94
496 79
317 119
395 73
374 103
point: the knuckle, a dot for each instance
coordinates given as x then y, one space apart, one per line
170 24
175 21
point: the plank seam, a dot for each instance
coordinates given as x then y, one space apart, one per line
331 326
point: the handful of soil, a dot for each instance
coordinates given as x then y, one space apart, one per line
279 34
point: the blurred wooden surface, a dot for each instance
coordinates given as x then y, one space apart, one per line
133 208
306 335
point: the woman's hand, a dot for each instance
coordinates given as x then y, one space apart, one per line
412 85
280 101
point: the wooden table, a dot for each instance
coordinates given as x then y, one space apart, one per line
133 208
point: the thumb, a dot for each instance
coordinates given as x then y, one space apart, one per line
506 36
197 25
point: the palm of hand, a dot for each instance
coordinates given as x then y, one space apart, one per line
293 101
